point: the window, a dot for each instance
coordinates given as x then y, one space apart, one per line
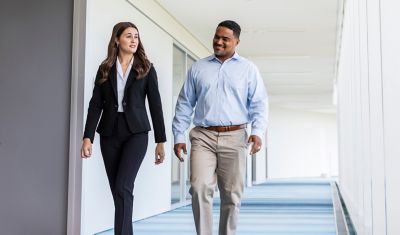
180 172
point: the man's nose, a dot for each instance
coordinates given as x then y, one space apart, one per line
218 41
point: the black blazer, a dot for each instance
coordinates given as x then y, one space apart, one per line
104 102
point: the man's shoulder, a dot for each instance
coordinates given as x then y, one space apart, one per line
247 63
205 59
245 60
201 62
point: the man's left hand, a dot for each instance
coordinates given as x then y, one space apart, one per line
257 142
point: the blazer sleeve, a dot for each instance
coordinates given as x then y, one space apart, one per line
94 110
155 106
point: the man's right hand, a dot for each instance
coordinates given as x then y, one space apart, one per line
178 149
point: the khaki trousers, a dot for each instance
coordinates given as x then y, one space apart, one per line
217 157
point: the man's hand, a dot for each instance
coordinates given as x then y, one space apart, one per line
256 144
178 149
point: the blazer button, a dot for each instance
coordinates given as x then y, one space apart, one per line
124 104
116 106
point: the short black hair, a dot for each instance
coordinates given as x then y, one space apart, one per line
232 25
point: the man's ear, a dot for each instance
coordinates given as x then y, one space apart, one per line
237 43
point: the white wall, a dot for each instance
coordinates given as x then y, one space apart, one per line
391 108
153 186
369 131
301 144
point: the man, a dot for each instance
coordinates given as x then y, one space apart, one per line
227 92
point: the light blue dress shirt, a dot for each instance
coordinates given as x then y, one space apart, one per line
121 82
222 94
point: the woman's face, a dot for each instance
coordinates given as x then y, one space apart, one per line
128 41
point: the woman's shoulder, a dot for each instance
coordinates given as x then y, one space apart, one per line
152 70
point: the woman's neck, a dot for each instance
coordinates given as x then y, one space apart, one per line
124 59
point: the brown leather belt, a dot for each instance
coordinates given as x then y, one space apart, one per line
225 128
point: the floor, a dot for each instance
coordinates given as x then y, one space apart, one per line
278 207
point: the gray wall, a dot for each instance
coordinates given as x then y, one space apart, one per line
35 74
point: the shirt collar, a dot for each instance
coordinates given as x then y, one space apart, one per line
235 56
119 67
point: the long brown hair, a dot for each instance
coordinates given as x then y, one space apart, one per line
141 64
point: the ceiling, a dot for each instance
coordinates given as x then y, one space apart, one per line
293 42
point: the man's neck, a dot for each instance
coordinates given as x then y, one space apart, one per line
224 58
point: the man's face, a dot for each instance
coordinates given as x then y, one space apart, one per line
224 43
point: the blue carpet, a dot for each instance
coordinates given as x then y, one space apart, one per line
278 207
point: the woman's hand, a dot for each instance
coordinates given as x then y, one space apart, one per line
160 153
86 149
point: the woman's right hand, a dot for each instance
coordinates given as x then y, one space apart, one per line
86 149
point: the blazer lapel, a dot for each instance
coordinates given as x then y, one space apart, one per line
113 79
131 77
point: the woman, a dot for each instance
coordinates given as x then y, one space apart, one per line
123 81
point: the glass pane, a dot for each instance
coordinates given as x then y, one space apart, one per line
179 67
179 71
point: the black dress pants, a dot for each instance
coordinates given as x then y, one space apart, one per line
123 153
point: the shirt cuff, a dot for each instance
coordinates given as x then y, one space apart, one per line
179 138
258 132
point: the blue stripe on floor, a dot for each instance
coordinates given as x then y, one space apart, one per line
278 207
